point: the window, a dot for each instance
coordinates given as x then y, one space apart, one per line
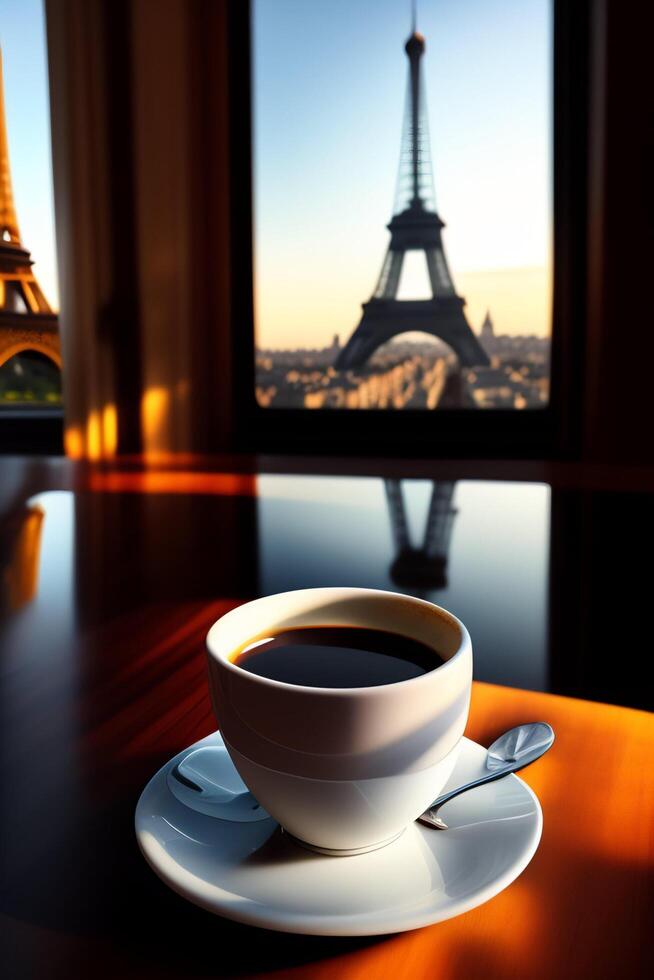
449 305
30 355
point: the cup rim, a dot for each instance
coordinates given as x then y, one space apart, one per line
464 645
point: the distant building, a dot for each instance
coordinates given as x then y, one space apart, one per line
487 334
408 374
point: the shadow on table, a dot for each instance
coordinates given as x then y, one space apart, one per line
93 882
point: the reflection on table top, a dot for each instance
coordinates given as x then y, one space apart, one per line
110 580
541 575
478 549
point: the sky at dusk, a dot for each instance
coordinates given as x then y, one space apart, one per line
22 37
329 88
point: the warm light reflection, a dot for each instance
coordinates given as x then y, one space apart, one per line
109 430
161 481
93 436
73 442
98 440
20 543
154 414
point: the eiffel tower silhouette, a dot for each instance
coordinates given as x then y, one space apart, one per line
415 226
426 565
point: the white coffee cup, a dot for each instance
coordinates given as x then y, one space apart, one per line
342 769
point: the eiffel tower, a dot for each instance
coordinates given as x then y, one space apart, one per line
415 226
27 322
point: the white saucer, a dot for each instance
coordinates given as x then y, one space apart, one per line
240 864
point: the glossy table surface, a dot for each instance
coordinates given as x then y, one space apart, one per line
109 581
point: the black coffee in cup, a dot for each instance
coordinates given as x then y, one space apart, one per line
337 656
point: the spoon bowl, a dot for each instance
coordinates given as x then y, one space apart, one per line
513 750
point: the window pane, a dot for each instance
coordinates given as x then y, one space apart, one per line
445 133
30 357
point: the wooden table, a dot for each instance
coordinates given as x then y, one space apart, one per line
102 679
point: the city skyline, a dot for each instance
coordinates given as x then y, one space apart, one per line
326 137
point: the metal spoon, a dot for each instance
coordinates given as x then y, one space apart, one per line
514 750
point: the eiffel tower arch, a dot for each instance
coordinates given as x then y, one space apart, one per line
27 322
415 226
15 339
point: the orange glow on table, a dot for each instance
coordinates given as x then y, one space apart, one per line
582 908
166 481
155 405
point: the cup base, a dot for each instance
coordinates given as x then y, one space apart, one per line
340 851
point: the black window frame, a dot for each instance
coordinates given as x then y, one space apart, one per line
554 430
27 431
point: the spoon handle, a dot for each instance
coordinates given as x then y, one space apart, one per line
488 777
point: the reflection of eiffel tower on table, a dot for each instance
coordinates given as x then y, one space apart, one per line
426 565
414 227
